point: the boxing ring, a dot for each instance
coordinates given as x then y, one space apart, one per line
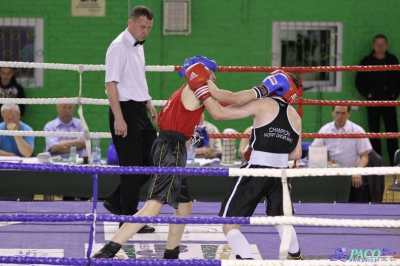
94 215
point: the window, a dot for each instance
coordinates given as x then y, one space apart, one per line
310 44
21 39
177 19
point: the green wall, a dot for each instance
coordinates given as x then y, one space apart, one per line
234 33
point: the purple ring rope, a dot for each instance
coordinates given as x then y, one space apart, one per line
109 262
121 218
100 170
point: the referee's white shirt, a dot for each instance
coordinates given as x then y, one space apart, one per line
125 64
344 151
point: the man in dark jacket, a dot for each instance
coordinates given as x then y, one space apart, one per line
380 86
9 88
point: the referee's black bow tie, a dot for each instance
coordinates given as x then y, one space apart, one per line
139 42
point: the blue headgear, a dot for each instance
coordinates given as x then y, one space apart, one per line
209 63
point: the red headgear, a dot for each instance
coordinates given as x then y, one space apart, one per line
290 95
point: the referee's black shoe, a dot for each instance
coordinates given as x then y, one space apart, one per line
144 230
240 258
115 210
111 208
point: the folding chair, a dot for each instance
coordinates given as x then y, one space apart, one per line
396 186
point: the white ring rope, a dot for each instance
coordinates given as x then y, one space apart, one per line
79 68
291 220
303 172
306 263
54 134
72 100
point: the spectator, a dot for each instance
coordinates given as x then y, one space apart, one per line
214 147
347 152
65 122
380 86
9 88
15 145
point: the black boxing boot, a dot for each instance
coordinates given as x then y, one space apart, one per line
171 254
240 258
108 251
295 256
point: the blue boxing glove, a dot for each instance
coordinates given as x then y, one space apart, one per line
278 83
200 137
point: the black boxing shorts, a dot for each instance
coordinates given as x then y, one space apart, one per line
246 192
169 150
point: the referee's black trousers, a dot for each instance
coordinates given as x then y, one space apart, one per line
133 150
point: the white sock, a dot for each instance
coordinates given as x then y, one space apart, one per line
294 244
239 244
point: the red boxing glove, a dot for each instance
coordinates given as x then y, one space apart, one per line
247 153
197 76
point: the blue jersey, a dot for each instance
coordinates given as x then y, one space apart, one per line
7 143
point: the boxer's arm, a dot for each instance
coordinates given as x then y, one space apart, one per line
189 100
244 142
236 98
278 83
295 120
296 153
230 112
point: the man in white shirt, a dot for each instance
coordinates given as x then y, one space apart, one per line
131 129
347 152
65 122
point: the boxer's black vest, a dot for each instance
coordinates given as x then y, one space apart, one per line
276 137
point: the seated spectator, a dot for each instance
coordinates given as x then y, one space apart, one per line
65 122
347 152
9 88
15 145
243 143
214 147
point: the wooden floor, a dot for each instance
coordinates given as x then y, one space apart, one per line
390 196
